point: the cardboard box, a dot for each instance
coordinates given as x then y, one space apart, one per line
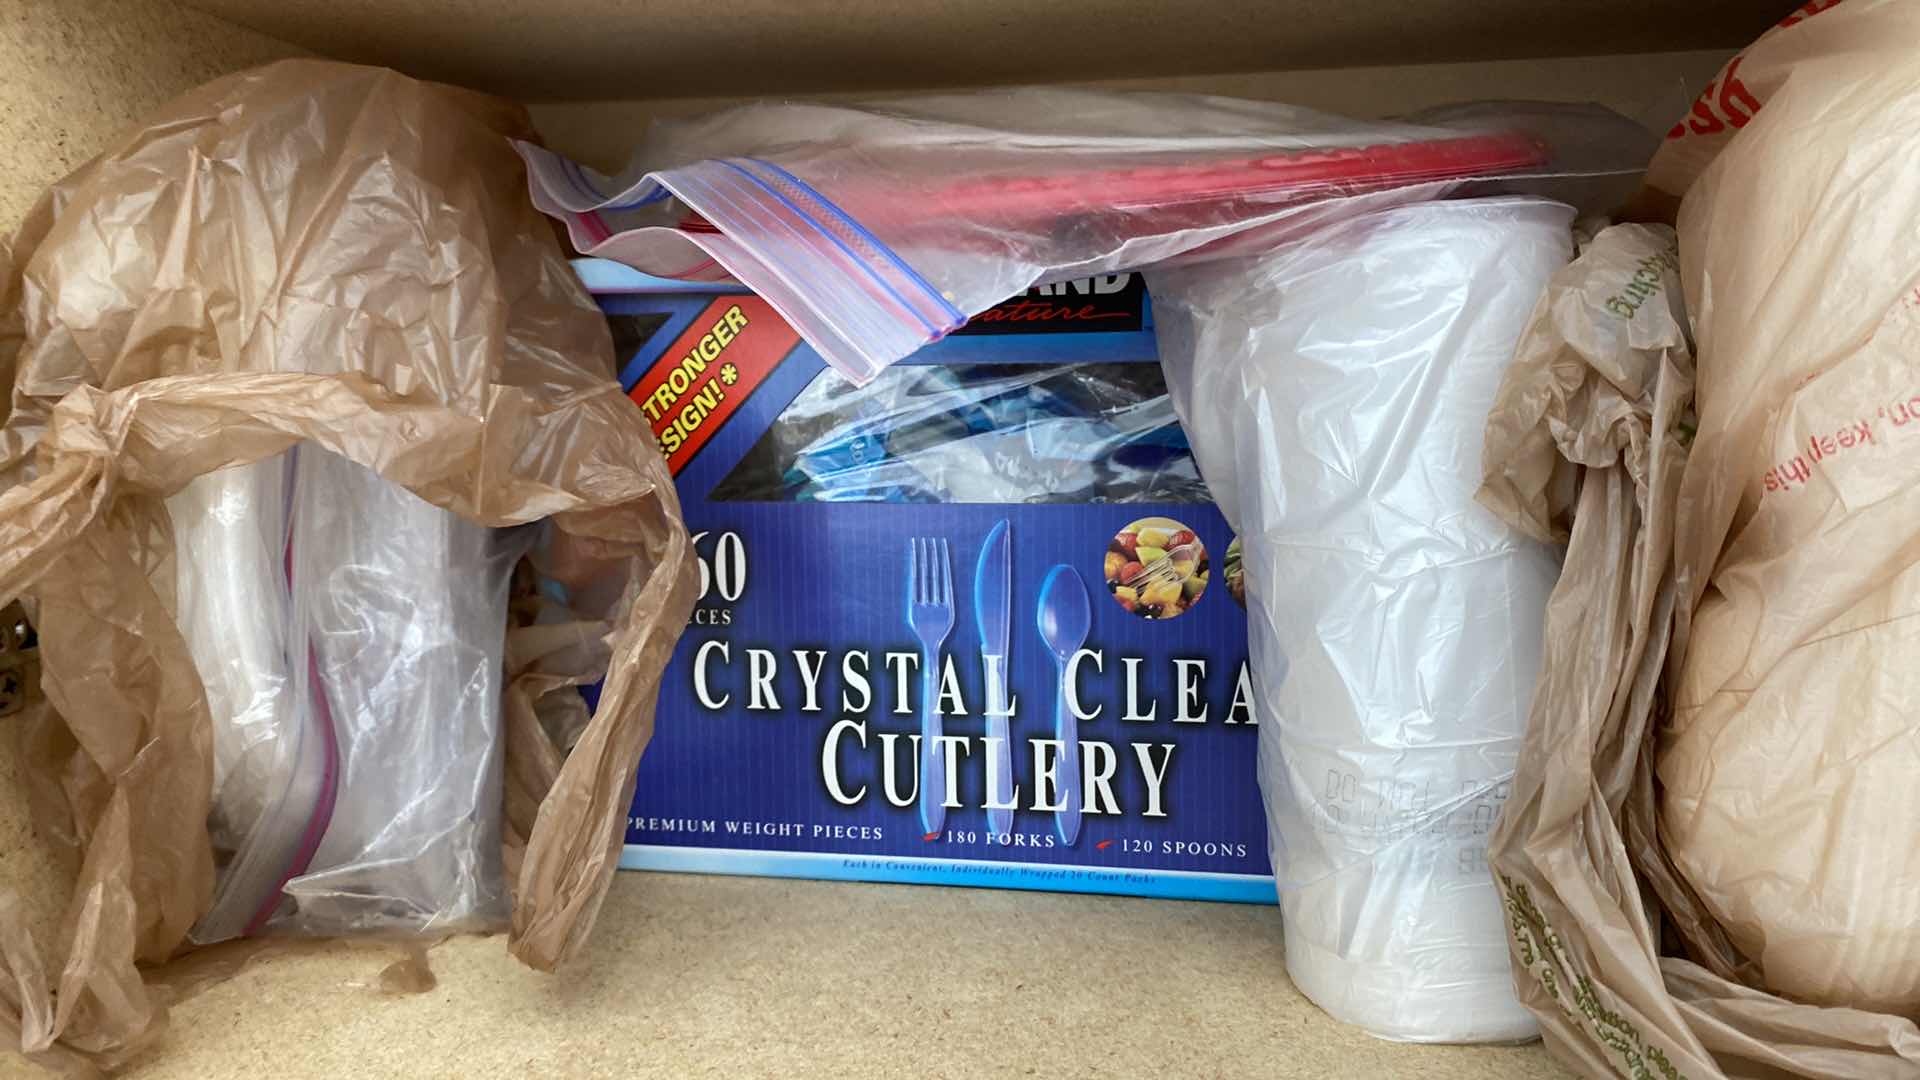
789 731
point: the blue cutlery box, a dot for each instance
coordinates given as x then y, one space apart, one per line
789 738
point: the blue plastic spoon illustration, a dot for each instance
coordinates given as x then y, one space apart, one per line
1065 617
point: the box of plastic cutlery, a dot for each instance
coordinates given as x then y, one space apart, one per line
974 623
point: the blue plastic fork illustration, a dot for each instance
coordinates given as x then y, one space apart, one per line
930 613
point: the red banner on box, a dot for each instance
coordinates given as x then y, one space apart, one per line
703 377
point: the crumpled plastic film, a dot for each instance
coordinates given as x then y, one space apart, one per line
1711 603
342 259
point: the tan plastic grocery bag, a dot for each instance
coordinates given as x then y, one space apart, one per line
1800 191
157 314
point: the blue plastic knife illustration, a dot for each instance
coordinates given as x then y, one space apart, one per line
993 611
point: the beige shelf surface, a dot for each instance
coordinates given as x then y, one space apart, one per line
692 976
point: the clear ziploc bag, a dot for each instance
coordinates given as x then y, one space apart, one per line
976 433
276 761
400 608
350 636
1335 391
875 230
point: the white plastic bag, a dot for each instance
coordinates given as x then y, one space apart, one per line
1335 392
877 229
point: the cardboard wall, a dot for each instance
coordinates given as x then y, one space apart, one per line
1652 88
620 49
75 72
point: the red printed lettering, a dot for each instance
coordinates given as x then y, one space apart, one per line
1734 94
1797 471
1704 122
1726 102
1027 310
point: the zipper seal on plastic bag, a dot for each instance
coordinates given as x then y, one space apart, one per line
855 299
